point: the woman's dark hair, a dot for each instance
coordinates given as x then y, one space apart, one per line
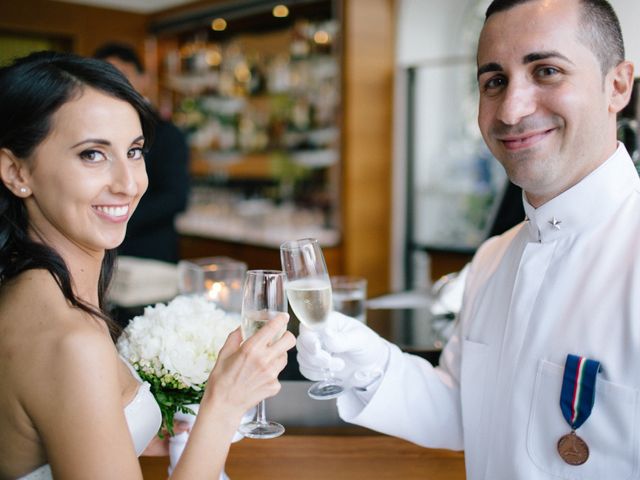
32 89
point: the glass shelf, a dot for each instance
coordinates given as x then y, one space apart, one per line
261 106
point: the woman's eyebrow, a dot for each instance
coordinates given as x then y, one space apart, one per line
92 140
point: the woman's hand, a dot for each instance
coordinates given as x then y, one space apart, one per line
247 372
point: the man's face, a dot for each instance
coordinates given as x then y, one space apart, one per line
136 79
545 110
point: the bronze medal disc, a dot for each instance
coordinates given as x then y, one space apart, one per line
573 449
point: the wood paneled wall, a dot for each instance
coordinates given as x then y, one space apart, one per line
87 27
367 131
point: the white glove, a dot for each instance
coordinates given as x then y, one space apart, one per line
347 347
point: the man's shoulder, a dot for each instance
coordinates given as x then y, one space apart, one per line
168 136
490 254
496 245
167 126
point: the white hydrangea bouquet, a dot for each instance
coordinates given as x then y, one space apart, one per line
174 347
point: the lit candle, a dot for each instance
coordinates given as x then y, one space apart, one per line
218 292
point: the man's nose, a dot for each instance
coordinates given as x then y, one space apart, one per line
518 101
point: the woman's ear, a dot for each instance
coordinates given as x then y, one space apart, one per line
13 174
621 78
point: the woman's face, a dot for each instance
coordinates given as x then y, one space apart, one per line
87 176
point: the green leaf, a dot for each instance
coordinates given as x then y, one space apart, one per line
171 400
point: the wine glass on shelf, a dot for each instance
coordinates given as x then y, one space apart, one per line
309 291
263 298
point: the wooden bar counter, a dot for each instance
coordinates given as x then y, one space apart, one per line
335 457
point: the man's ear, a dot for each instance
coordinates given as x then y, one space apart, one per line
14 174
621 78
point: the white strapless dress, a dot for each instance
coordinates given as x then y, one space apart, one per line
143 417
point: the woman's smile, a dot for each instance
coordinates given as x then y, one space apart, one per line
114 213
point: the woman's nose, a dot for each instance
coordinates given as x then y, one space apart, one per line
123 178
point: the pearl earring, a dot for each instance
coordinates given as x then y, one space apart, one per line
24 189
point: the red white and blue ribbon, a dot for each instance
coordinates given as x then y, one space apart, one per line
578 389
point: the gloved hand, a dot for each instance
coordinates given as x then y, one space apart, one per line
348 348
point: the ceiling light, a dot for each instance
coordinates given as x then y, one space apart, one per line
280 11
219 24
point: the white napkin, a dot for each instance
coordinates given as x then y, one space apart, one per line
142 281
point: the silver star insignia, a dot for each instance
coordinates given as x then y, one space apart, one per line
555 223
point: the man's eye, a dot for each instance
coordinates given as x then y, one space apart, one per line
135 153
494 83
92 155
546 71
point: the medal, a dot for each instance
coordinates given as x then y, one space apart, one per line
576 402
573 449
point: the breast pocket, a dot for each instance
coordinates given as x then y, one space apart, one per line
611 432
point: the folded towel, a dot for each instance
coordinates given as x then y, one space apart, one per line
142 281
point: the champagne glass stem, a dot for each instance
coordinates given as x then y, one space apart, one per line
261 414
262 297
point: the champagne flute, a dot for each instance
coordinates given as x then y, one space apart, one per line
263 298
309 291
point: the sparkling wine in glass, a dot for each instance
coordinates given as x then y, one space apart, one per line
263 298
309 291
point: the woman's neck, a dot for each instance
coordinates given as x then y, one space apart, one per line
84 265
85 275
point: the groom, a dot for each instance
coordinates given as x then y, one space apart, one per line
543 296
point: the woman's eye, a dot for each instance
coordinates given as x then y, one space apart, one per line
92 156
135 153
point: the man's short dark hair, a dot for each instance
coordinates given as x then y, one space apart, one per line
600 29
121 51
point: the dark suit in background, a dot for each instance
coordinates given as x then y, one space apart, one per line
151 232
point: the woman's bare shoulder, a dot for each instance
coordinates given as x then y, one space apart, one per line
46 335
32 288
65 378
53 357
77 367
34 300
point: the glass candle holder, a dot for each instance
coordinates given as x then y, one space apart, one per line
219 279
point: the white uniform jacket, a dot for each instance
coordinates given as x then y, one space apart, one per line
566 280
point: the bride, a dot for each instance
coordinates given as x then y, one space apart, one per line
72 139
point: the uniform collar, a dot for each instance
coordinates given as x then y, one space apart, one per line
580 207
